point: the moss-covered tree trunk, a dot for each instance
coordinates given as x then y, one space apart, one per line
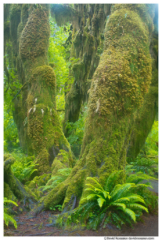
147 113
117 91
88 22
40 131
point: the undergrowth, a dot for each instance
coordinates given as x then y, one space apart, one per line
7 217
117 204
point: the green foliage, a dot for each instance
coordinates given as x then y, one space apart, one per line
111 203
147 159
24 166
11 88
55 180
59 207
57 55
76 132
11 139
145 165
7 217
151 145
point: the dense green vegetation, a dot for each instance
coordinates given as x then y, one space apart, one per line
122 197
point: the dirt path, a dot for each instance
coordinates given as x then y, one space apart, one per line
40 226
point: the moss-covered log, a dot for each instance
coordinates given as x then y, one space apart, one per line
13 189
117 91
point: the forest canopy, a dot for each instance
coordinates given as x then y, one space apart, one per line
81 109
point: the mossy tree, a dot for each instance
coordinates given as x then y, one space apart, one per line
118 90
39 129
88 23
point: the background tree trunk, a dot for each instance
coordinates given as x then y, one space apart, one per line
87 44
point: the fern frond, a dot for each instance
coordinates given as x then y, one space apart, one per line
117 220
130 213
137 206
9 201
100 201
124 200
96 222
90 196
136 198
86 209
8 218
110 182
126 218
121 190
121 205
96 182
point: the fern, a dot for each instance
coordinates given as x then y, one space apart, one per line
55 180
110 182
98 200
8 218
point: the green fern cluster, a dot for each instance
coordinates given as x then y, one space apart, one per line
24 166
7 217
55 180
145 164
112 203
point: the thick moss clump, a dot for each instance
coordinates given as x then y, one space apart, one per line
35 35
35 185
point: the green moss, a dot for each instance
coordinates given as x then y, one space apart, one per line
63 160
8 193
34 187
34 39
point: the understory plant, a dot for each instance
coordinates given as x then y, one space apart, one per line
7 217
145 164
24 166
61 176
111 203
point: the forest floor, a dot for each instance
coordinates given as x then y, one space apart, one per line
40 226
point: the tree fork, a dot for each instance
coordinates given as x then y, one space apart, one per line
118 89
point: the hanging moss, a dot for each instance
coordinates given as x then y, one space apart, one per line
63 13
15 15
6 31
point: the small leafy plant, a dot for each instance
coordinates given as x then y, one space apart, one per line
8 218
111 203
59 207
